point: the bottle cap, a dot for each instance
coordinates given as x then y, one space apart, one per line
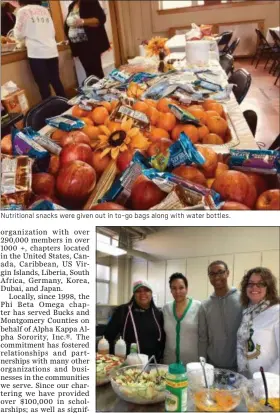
176 368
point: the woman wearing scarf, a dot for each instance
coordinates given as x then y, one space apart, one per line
138 321
181 323
258 334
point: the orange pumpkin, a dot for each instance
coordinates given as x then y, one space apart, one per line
100 164
175 134
157 133
192 132
91 131
207 103
88 121
106 105
198 112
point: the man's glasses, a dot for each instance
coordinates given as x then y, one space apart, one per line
259 285
216 274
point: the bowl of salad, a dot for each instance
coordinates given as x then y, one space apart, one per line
105 364
225 392
148 388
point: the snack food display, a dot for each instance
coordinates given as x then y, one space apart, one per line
148 388
113 135
105 364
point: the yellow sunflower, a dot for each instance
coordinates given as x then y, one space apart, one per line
115 141
156 45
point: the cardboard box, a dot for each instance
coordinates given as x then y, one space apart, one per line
16 102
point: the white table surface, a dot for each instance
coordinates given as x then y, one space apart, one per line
268 35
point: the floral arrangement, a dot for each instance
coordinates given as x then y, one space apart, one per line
157 45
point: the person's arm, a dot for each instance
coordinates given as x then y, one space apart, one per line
98 16
114 327
20 26
202 333
275 368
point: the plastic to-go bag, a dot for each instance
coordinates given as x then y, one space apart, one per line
194 33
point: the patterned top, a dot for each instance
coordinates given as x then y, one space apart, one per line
76 34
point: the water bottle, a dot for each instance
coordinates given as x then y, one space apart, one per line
120 348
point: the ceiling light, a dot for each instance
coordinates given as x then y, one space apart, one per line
110 249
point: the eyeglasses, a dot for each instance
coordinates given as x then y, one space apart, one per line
218 274
259 285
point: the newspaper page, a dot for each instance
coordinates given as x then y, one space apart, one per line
47 314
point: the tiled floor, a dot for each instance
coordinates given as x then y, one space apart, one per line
263 97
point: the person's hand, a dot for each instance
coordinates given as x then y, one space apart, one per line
78 22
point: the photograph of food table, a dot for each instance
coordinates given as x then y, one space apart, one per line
172 113
133 258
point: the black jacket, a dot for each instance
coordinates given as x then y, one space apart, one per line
97 37
150 333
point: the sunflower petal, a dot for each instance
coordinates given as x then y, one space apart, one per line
127 125
127 140
105 130
103 138
123 148
115 152
133 132
139 142
105 152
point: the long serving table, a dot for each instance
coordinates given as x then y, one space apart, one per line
108 401
237 120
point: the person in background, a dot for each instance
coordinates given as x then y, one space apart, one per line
8 17
138 321
34 25
180 323
258 337
84 27
219 319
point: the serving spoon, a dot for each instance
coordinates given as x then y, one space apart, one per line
265 389
208 401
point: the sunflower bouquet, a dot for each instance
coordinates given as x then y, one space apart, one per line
156 46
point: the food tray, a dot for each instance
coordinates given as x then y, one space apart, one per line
234 141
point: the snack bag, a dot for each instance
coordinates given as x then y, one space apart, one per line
183 116
16 174
65 122
181 152
255 160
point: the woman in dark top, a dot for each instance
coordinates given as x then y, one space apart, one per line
138 321
8 19
84 27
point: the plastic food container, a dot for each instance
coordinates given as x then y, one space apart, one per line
105 364
149 388
226 390
255 396
197 52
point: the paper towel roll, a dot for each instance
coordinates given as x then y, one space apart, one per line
197 52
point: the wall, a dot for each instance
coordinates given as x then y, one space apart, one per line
193 249
141 20
20 73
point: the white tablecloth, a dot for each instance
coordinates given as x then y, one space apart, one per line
268 35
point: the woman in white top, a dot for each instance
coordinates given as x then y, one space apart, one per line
258 335
34 25
180 323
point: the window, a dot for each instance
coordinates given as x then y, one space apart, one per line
178 4
103 277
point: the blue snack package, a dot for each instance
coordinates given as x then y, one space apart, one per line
183 116
65 122
45 205
121 189
166 182
181 152
119 75
43 140
22 144
208 85
255 160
